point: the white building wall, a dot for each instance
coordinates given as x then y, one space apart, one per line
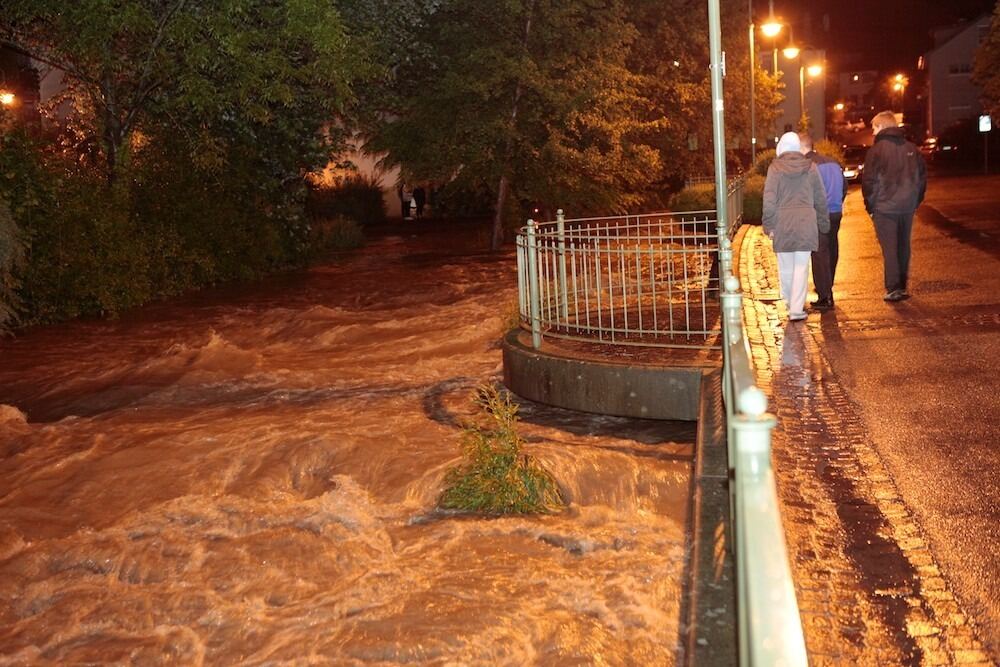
951 94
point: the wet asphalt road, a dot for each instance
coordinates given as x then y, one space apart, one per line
925 375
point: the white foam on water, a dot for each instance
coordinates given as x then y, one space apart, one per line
258 487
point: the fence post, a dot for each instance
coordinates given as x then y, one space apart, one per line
563 293
534 304
732 305
726 259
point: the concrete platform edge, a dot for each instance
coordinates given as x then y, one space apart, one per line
623 390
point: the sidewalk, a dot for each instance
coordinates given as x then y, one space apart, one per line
869 589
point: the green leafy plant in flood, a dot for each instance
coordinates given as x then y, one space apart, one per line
497 477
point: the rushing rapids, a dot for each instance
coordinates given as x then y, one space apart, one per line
249 476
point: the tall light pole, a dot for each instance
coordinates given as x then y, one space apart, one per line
813 71
771 29
718 115
753 90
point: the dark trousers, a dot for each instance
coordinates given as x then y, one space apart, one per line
893 231
824 259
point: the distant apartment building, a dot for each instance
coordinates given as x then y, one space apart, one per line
857 91
951 95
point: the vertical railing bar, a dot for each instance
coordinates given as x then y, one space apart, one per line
576 288
597 283
670 279
536 329
611 291
652 273
561 230
621 271
586 285
544 281
638 283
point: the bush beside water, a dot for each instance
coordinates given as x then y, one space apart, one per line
701 197
73 245
354 197
497 477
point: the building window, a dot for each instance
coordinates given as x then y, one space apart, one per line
960 69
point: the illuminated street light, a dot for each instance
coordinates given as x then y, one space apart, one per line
771 29
7 98
899 83
791 52
814 70
839 106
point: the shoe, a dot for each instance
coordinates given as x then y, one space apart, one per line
896 295
821 304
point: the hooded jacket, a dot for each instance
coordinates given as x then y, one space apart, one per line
895 177
795 208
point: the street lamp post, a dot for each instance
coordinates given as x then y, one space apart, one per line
771 28
753 90
813 71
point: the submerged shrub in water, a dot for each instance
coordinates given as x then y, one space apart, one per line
496 476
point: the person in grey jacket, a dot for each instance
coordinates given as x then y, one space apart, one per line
893 183
795 212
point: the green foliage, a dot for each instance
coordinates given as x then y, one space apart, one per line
763 161
226 76
12 254
542 98
830 149
753 198
183 160
355 197
699 197
497 477
986 70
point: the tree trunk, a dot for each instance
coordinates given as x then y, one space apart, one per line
504 187
497 238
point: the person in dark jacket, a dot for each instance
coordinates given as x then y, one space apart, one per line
794 215
893 183
824 259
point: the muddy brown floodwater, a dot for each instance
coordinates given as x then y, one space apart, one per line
248 476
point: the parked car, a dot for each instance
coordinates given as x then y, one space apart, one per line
854 162
929 147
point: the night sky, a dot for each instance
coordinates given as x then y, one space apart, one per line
872 34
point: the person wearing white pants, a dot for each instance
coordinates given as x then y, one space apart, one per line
795 212
793 271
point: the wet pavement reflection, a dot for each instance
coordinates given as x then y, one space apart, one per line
869 589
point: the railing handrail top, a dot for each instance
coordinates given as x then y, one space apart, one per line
710 216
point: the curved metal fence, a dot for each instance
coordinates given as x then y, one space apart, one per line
650 280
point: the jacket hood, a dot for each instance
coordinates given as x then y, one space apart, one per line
792 163
893 134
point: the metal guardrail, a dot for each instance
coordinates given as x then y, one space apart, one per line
770 629
648 280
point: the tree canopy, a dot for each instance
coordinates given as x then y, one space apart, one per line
986 73
215 73
594 106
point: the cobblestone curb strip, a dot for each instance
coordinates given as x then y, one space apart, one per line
869 590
